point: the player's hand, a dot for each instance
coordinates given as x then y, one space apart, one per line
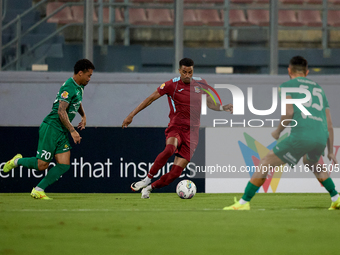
331 156
276 134
228 108
76 137
127 121
82 123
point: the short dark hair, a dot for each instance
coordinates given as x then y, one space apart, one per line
186 62
83 65
298 64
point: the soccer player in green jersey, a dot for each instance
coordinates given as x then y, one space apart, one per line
53 132
308 139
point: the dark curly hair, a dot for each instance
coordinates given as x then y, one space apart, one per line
83 65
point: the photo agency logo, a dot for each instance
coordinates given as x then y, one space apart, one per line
239 105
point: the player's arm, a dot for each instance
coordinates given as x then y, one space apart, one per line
146 102
289 115
217 107
330 139
82 123
66 121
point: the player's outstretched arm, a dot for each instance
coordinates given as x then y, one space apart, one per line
289 115
82 123
217 107
66 121
330 139
146 102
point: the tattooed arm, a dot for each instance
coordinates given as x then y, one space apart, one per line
66 121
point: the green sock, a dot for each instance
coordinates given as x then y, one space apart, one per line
250 191
53 175
330 187
31 163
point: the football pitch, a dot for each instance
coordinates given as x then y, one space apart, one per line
166 224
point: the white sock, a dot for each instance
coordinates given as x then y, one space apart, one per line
242 202
335 198
38 189
147 179
149 188
16 162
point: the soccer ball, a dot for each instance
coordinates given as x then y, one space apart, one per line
186 189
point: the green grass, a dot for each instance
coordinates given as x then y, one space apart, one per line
125 224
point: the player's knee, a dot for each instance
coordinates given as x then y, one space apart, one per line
169 150
42 165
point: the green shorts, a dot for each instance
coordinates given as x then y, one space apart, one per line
51 141
291 149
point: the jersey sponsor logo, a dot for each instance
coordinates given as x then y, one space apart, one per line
162 86
64 95
180 90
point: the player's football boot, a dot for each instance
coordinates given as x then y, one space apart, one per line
146 192
10 164
237 206
335 205
141 184
39 194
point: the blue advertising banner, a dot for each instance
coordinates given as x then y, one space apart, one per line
108 159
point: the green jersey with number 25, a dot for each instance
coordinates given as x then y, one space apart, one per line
314 125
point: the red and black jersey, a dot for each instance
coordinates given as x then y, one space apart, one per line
184 100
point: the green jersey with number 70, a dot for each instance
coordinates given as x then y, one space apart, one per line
314 125
71 93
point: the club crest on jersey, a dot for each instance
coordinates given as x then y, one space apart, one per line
162 86
64 94
197 89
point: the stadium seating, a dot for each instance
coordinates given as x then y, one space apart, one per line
334 1
190 18
288 18
237 18
241 1
259 17
209 17
62 17
292 1
137 16
334 18
311 18
160 16
78 14
313 1
118 15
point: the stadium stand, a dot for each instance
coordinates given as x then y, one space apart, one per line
334 18
241 1
310 18
137 16
190 18
78 14
288 18
292 1
118 15
62 17
238 18
160 16
209 17
258 17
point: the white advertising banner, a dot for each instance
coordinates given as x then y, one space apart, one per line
233 154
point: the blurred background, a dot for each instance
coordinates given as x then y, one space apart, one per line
222 36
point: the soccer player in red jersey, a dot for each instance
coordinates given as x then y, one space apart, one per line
184 96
